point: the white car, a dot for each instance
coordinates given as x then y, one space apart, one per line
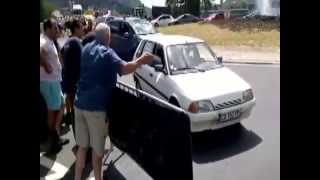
186 73
162 20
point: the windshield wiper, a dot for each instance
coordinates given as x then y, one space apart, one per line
207 65
190 68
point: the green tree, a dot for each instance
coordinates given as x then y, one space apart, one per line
207 4
184 6
243 4
46 9
192 7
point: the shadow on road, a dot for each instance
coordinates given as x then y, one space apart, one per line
110 173
216 145
70 174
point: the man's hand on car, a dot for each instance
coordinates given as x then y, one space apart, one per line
146 58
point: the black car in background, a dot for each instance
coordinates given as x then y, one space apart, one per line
126 34
185 18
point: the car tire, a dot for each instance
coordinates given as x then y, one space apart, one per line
156 25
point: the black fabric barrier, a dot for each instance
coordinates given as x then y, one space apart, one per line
158 138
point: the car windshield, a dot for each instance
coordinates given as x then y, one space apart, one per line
192 57
141 26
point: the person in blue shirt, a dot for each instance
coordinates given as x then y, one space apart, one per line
98 75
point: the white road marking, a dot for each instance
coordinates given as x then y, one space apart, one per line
58 169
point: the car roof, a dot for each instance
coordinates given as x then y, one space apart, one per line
167 40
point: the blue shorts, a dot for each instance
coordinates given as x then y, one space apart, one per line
52 93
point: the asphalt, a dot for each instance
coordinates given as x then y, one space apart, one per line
251 154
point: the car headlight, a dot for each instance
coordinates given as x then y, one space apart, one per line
200 107
247 95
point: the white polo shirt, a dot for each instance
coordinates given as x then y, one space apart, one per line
53 58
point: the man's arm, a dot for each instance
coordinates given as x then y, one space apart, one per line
131 67
44 62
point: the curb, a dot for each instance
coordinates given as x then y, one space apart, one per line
249 62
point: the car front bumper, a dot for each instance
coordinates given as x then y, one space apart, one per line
210 121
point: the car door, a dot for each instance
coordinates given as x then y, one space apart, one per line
158 74
161 21
164 20
144 73
122 39
130 39
168 20
116 40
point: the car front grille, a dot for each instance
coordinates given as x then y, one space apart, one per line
227 104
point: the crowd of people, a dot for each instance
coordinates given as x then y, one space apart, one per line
76 81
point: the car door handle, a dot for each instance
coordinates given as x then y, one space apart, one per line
151 75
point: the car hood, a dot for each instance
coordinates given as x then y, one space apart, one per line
146 36
210 84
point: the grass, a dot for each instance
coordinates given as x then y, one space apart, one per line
231 33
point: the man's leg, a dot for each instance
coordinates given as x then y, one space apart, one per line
82 139
97 133
80 162
48 91
59 118
97 165
51 120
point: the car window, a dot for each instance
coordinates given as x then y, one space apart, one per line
114 27
139 51
164 17
190 56
158 51
125 28
141 26
148 47
159 56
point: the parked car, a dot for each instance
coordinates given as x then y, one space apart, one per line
214 16
162 20
236 13
188 74
256 15
126 33
104 19
185 18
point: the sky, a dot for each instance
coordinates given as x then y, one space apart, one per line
150 3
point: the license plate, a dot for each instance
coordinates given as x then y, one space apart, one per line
229 116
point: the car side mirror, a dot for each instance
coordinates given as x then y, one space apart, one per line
220 60
158 67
